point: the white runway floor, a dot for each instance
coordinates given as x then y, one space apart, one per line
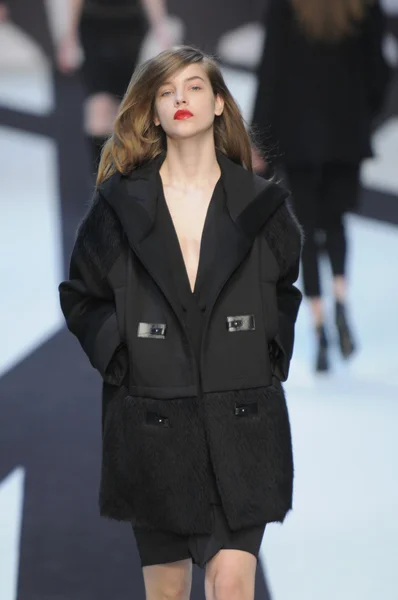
341 540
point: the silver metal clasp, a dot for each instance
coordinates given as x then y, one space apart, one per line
152 330
241 323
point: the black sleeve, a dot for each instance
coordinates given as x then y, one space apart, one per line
272 64
284 236
377 70
86 298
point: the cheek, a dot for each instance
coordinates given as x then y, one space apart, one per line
205 110
161 109
157 113
166 112
211 106
210 110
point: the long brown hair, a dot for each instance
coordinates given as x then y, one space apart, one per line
136 139
330 20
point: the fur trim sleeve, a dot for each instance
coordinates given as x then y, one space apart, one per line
284 236
86 298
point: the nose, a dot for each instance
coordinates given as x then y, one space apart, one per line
180 98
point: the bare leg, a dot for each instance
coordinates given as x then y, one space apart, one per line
230 575
316 305
340 288
318 317
100 112
346 340
171 581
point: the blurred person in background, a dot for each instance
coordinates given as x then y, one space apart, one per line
181 292
322 81
3 12
110 33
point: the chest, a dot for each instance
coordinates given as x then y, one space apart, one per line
239 306
188 214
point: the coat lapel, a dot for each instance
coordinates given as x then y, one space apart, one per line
251 201
134 199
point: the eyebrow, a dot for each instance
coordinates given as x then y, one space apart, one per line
185 80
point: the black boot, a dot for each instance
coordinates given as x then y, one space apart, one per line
322 360
346 342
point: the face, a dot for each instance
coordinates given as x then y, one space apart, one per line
186 106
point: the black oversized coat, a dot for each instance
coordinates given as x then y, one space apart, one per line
316 101
165 417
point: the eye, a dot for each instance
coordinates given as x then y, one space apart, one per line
165 93
196 87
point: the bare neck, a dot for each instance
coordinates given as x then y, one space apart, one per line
190 165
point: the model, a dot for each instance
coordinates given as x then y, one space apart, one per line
111 33
322 83
181 292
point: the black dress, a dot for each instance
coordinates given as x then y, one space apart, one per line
160 547
111 34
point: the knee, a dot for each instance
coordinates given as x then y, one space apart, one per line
174 593
100 112
167 583
169 592
229 586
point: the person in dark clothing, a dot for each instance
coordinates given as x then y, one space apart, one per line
181 292
322 81
110 33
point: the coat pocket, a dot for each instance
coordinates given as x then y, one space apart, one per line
251 451
156 456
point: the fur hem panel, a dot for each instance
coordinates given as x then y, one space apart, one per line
155 465
251 453
156 462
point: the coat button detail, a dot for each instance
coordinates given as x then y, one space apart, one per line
153 418
245 410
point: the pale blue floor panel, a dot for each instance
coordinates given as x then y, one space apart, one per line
341 540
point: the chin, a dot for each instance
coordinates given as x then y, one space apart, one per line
188 132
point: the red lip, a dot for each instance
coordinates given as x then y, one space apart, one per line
182 114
